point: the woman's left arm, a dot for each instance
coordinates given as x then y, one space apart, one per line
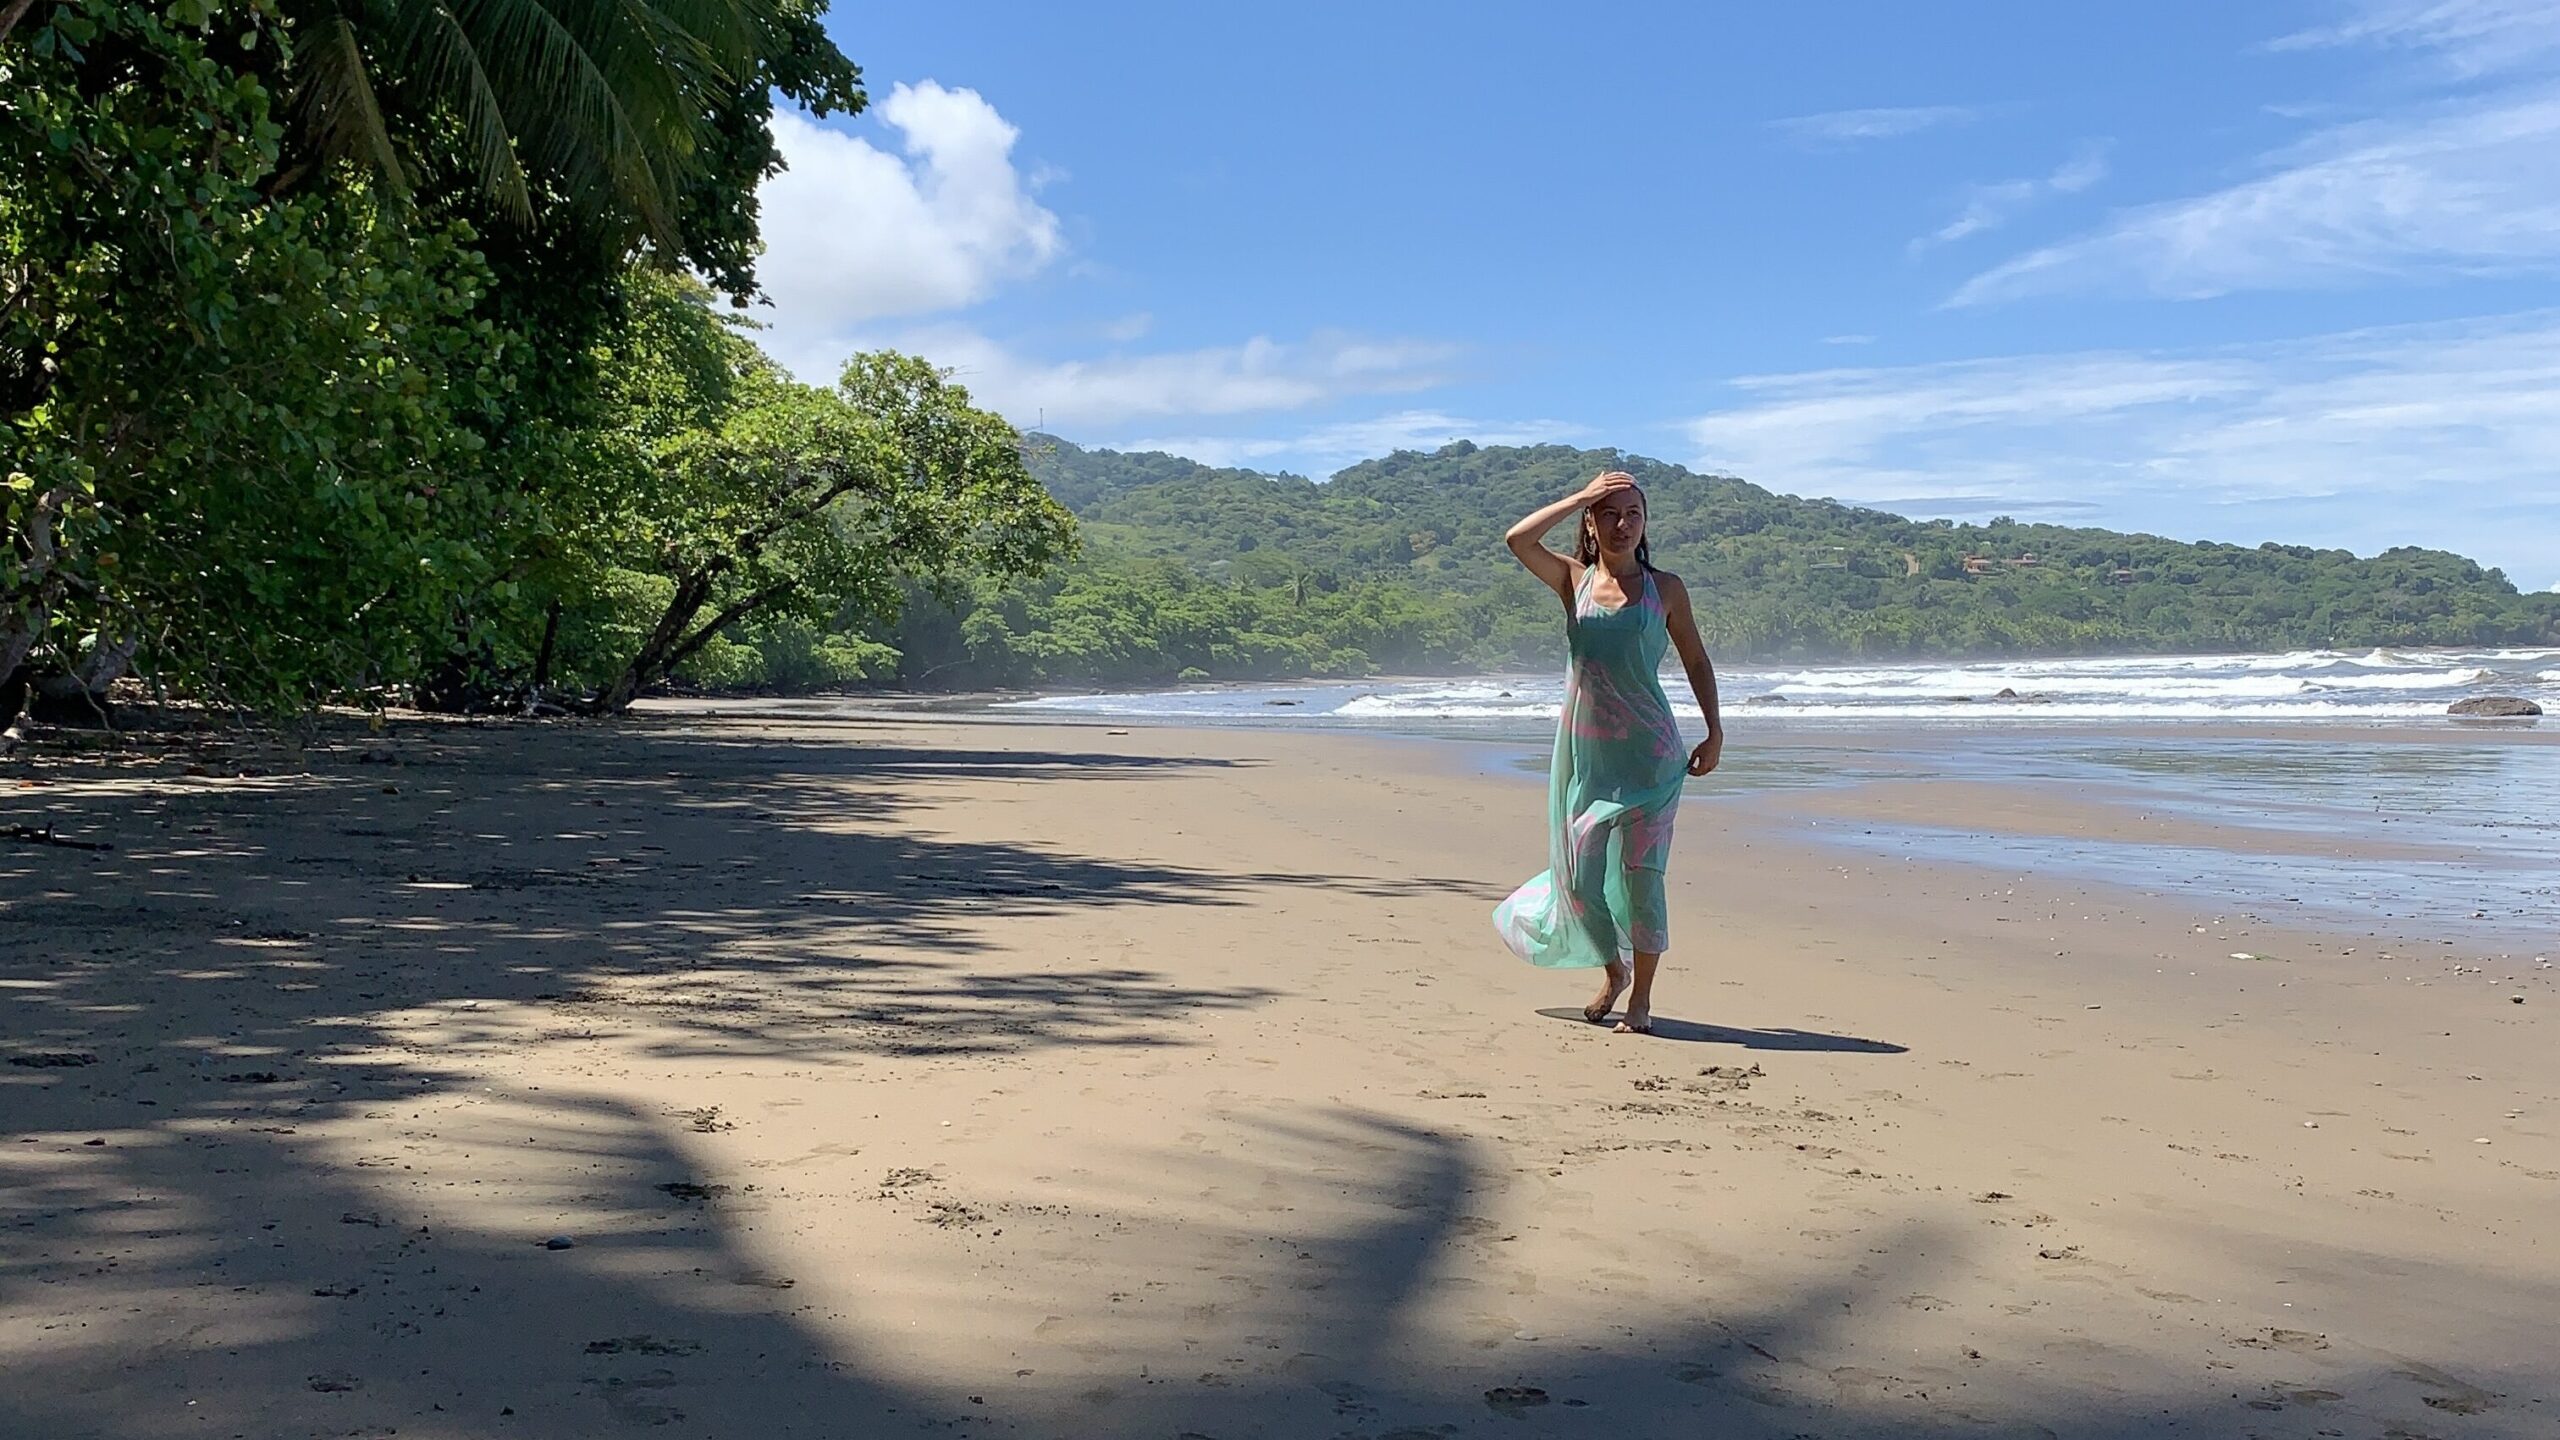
1683 625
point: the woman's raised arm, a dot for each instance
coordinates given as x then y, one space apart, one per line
1528 538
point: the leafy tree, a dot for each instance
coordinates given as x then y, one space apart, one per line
784 502
250 440
306 311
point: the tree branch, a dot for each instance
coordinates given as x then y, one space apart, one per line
736 612
753 541
10 17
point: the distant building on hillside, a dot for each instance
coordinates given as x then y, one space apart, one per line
1985 564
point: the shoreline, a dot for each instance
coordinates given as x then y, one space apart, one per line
921 1072
2023 795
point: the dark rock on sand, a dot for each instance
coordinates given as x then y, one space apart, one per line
2494 707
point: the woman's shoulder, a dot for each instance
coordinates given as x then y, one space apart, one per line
1669 583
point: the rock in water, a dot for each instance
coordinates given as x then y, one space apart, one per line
2494 706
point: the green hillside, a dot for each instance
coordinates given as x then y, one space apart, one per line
1397 564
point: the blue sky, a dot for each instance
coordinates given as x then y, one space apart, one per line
2284 270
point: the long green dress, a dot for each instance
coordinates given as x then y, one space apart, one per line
1611 794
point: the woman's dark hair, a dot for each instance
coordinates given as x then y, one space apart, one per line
1586 540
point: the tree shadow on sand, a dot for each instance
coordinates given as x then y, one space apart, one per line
773 897
337 1298
205 1230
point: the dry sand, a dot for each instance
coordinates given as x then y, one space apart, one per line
914 1075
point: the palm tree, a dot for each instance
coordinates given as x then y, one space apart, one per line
599 105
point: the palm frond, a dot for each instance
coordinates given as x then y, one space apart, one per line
334 101
573 119
441 60
605 104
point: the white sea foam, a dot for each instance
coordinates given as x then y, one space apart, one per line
1988 712
2366 685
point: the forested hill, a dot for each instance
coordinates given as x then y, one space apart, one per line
1398 564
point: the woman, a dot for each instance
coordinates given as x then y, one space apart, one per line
1619 765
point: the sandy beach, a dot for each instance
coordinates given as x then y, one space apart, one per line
748 1076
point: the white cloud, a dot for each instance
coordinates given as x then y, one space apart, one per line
1260 376
1988 207
2472 37
855 234
2441 434
2462 189
1129 327
1324 449
2079 172
1845 127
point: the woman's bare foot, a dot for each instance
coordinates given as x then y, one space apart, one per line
1639 1018
1610 988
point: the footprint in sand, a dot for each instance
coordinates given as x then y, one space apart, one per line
832 1150
2457 1397
630 1402
2300 1342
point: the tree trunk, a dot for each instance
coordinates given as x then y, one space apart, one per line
692 593
108 663
10 17
13 702
668 646
722 621
80 698
542 657
36 586
17 642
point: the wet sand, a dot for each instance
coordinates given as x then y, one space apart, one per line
915 1074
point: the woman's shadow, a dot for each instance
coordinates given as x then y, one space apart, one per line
1665 1028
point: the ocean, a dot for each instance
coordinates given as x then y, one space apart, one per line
2373 686
2339 782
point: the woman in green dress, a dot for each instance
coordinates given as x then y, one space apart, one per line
1619 761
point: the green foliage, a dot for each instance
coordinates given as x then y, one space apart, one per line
620 120
264 436
1398 564
317 330
746 496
